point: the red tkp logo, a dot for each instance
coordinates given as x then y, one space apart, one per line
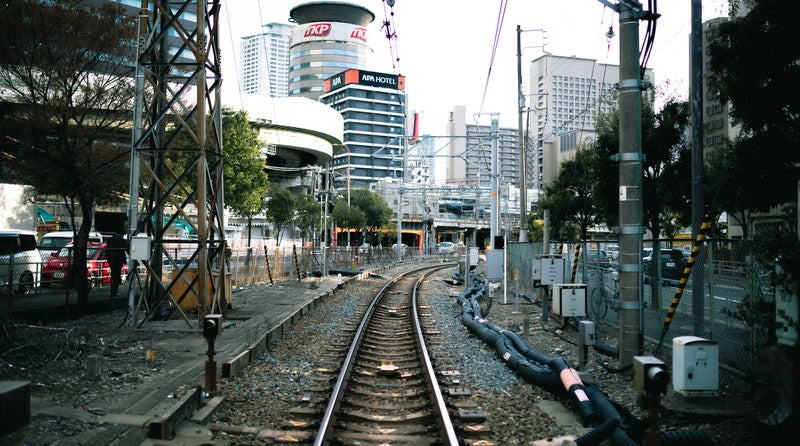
359 33
318 30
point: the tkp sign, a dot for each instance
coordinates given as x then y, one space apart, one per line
318 30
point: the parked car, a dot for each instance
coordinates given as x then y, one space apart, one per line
447 248
20 261
595 257
672 263
613 251
402 248
52 242
98 270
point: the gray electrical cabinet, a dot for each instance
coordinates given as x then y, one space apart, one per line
695 366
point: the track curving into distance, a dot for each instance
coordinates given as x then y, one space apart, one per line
387 390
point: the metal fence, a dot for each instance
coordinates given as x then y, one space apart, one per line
245 266
738 299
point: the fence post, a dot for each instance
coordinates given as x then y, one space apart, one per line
296 263
266 263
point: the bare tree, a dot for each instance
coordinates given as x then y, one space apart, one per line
66 78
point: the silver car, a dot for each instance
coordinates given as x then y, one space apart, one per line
20 261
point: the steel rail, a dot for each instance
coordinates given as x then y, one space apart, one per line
337 394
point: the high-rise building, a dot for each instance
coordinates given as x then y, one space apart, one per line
717 126
420 161
330 37
373 106
470 154
567 95
264 59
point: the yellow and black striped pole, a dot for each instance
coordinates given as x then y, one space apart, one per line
575 261
687 270
266 264
296 263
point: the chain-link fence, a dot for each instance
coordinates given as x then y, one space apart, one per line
21 274
738 294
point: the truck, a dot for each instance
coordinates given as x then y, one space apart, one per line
17 206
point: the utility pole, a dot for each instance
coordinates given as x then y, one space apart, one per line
495 208
523 158
698 206
630 182
523 142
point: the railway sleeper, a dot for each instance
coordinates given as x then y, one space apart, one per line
278 435
415 403
412 417
459 391
349 438
385 393
307 411
364 384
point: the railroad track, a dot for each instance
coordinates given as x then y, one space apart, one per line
387 391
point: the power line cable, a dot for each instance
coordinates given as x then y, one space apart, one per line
389 30
498 28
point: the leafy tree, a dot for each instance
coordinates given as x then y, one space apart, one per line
307 214
348 216
246 185
535 226
66 75
376 212
666 167
280 210
570 199
753 67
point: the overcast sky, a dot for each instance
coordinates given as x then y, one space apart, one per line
445 47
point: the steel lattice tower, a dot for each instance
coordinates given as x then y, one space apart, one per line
176 182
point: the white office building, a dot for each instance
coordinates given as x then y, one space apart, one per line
566 96
264 68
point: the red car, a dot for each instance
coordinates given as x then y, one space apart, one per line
98 271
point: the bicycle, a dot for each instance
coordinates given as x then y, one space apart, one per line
599 301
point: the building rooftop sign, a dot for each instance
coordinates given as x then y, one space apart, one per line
367 78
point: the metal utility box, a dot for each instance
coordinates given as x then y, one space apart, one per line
569 299
549 269
140 247
494 264
695 366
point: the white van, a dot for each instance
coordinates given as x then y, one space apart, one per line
52 242
20 261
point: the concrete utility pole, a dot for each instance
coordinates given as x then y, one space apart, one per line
630 183
698 206
495 208
523 158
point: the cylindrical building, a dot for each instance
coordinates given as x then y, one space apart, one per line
330 38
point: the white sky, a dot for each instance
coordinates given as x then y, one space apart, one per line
445 47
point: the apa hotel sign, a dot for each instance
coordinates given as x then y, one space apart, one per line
368 78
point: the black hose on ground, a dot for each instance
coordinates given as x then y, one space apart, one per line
613 424
686 438
605 349
598 434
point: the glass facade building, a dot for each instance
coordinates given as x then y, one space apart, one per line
374 112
